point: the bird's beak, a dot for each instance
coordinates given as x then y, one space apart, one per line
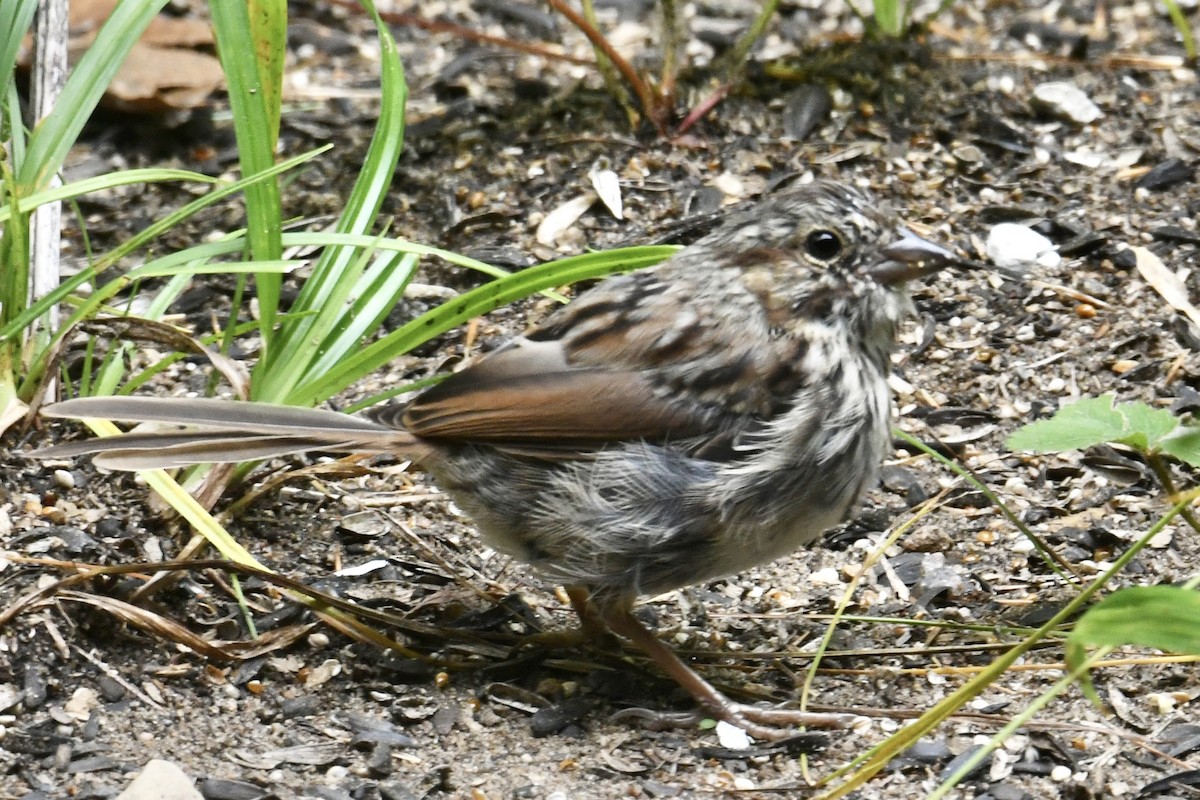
911 257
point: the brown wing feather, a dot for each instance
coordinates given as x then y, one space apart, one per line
641 360
564 406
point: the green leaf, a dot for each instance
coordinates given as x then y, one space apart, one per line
1183 444
1096 420
15 18
1159 617
1089 422
1146 426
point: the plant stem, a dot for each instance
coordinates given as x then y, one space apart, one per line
735 59
648 99
612 81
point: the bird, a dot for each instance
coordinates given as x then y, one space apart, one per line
667 427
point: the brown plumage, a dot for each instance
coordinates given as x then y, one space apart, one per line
667 427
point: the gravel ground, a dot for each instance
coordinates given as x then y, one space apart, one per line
951 133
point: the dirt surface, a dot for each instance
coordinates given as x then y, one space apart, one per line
947 132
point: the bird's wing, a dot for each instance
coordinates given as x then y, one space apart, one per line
648 358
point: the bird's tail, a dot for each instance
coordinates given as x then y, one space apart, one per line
220 431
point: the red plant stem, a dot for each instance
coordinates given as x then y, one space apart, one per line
702 108
646 97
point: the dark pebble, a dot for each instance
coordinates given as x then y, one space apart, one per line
1040 768
93 764
444 719
929 751
397 791
1124 259
91 728
551 720
656 789
1082 245
34 688
958 760
111 690
805 108
219 789
74 540
303 706
110 528
907 567
903 481
1165 175
1174 784
1003 791
1178 741
1174 233
379 763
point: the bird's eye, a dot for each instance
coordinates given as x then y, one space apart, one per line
823 245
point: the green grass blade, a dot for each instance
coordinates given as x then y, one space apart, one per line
15 19
70 191
336 272
472 304
380 289
220 192
255 126
54 135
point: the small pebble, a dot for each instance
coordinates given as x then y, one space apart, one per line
1060 774
1066 101
1013 246
64 479
732 737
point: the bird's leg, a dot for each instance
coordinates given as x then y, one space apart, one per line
764 723
592 628
591 623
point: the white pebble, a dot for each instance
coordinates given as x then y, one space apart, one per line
732 737
825 577
1015 246
1060 774
1066 101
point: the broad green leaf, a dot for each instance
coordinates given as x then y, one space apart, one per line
1089 422
1096 420
1183 444
1145 426
1159 617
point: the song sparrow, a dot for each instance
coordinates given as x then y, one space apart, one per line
669 426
